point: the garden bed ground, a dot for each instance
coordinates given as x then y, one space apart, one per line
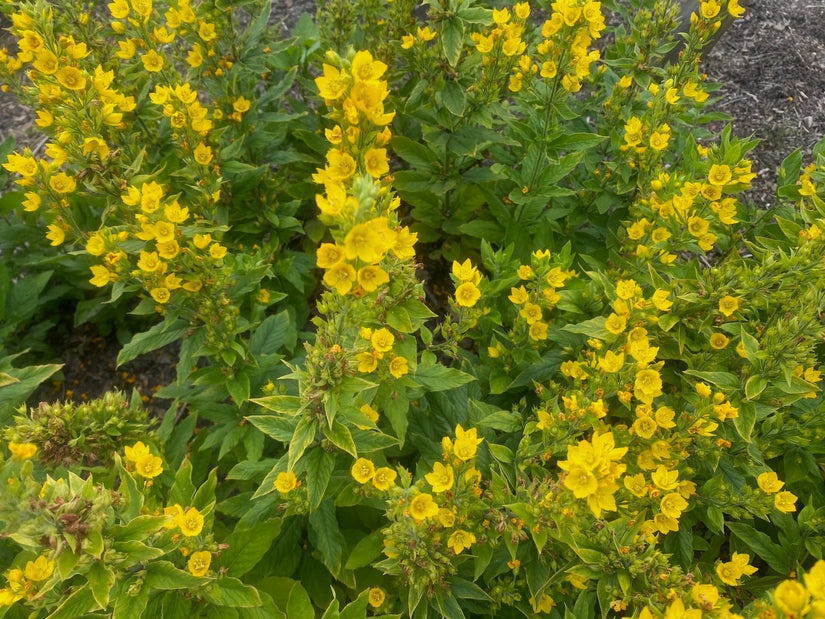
772 67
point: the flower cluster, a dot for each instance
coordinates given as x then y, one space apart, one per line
25 583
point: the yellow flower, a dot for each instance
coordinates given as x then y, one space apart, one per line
333 83
792 598
168 249
665 479
22 451
531 313
241 105
538 331
367 361
136 451
636 484
285 482
364 242
525 272
710 8
149 466
544 605
442 478
101 275
203 154
376 597
399 366
731 571
217 251
206 31
728 305
384 478
56 235
648 385
673 504
39 569
201 240
340 165
645 426
148 261
615 324
382 340
466 443
363 470
190 522
370 278
627 289
198 563
423 506
719 174
518 295
152 61
734 9
126 49
611 362
784 502
459 540
71 78
659 140
62 183
467 294
660 300
160 295
375 162
718 341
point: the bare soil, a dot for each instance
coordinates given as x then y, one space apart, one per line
771 63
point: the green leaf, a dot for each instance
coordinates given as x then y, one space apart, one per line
746 420
365 551
394 404
289 405
163 575
247 545
130 605
176 605
325 535
273 333
576 141
357 609
777 556
136 529
76 605
204 498
340 436
723 380
158 336
138 552
20 383
319 466
591 328
281 428
715 519
302 438
183 489
452 38
454 98
238 388
440 378
231 592
101 580
466 590
415 153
